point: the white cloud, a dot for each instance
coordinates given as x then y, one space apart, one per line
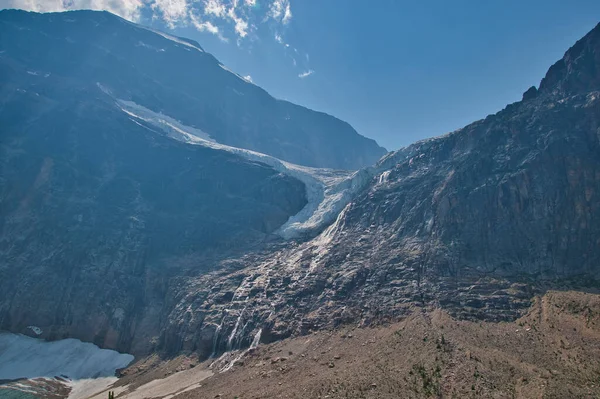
226 11
306 74
281 11
206 26
287 16
241 26
128 9
243 17
248 78
214 7
173 11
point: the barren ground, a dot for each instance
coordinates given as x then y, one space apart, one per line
552 352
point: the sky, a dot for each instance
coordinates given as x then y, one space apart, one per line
398 71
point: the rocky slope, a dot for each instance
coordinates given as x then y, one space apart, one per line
175 77
475 222
551 352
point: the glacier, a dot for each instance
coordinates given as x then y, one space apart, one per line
328 191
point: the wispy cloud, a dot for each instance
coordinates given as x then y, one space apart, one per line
172 11
128 9
244 20
306 74
215 8
206 26
241 25
281 10
238 16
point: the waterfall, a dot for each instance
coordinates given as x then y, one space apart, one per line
235 328
256 339
216 338
240 355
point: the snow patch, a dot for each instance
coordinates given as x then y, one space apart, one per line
175 39
164 122
142 44
36 330
26 357
88 368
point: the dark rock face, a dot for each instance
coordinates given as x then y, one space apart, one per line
578 71
530 94
175 77
98 212
475 222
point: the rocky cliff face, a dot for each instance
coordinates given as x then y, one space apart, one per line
176 77
475 222
98 211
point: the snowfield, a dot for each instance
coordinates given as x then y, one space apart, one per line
89 368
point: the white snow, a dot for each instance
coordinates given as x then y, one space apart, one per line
244 78
145 45
89 368
162 121
175 39
36 330
328 191
26 357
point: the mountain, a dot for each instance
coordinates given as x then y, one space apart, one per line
98 209
476 222
175 77
126 163
127 223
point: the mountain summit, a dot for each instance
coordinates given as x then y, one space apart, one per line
175 77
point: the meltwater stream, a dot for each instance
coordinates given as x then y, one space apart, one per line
73 368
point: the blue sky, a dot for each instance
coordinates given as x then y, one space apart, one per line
398 71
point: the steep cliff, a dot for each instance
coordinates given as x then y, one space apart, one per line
476 222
